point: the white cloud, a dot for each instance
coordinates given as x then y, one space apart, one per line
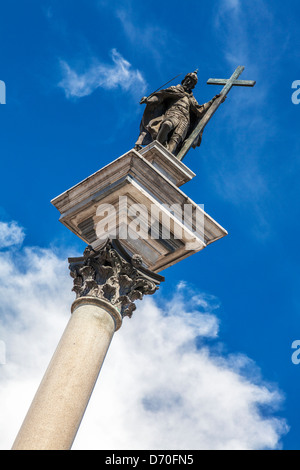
149 38
157 389
146 36
161 392
230 5
10 234
249 36
99 75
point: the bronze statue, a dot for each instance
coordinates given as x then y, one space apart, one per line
171 115
174 117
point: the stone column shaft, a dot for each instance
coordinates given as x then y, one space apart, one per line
61 400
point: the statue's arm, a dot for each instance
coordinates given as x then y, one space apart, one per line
150 99
160 95
200 109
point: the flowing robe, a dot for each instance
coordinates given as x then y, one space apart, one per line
167 105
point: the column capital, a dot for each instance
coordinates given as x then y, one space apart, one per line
112 275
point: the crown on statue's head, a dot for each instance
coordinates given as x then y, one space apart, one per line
192 75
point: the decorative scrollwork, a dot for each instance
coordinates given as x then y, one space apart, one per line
106 274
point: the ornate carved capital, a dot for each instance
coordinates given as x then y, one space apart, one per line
112 275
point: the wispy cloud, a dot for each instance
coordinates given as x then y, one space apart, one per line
148 38
99 75
179 396
158 388
11 234
247 36
229 5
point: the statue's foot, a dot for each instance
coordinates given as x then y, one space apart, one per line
138 147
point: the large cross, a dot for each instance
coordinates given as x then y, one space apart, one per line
229 83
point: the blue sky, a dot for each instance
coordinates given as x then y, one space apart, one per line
75 72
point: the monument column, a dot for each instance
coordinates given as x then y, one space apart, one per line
106 285
142 189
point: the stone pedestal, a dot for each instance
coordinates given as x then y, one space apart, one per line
150 179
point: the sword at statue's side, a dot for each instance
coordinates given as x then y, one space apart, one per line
213 108
145 98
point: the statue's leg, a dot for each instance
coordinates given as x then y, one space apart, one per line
178 135
174 142
164 132
138 144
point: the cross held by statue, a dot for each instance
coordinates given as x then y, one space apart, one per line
228 84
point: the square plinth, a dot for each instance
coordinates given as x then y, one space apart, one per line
137 200
166 163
